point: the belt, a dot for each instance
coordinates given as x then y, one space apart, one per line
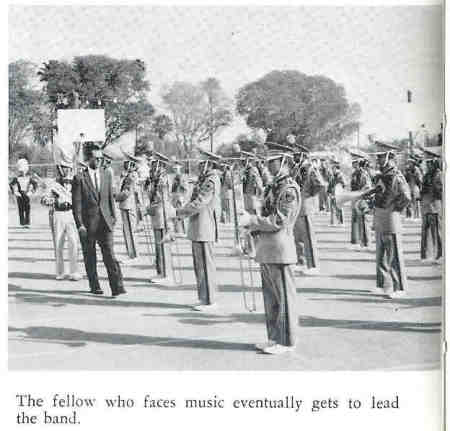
63 210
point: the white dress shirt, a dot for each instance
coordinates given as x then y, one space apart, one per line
95 173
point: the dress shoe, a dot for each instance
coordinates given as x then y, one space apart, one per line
310 271
97 292
397 294
205 307
278 349
166 281
262 346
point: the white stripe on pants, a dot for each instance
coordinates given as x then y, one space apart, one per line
65 227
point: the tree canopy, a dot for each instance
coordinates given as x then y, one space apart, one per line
313 108
29 117
98 81
198 111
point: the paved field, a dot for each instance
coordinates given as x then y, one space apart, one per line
342 325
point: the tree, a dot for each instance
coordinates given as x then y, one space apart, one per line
313 108
25 104
198 112
98 81
218 114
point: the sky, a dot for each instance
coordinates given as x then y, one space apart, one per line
376 53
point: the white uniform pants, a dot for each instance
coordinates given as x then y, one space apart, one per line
65 228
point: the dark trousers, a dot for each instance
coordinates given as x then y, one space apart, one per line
205 271
364 230
355 228
128 234
334 210
163 255
278 288
23 205
305 239
413 209
391 273
104 237
324 204
431 241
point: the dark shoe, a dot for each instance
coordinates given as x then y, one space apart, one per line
121 292
97 292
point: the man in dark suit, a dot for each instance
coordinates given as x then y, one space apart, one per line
94 213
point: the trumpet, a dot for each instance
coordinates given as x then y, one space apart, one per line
343 196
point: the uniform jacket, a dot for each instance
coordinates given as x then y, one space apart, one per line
431 195
312 183
253 188
265 176
335 179
88 206
393 196
180 189
23 184
57 201
160 207
226 182
202 208
127 192
414 177
275 226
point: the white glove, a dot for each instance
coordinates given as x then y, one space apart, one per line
17 194
244 219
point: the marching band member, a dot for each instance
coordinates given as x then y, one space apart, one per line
252 184
392 195
414 177
325 172
226 194
180 189
264 172
23 186
355 185
336 178
128 202
431 197
276 252
362 207
202 228
59 197
162 213
311 183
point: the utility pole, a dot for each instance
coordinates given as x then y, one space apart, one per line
211 143
357 136
410 143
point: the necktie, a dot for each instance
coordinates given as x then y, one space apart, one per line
96 181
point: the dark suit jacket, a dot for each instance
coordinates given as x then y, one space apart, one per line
88 206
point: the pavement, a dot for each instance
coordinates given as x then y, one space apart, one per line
343 324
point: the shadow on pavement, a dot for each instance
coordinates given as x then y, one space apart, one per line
70 335
314 322
327 291
431 301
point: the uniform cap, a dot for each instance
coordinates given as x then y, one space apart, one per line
207 155
431 154
384 148
160 157
301 148
277 151
65 164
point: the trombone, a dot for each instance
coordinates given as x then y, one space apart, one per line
241 250
146 224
